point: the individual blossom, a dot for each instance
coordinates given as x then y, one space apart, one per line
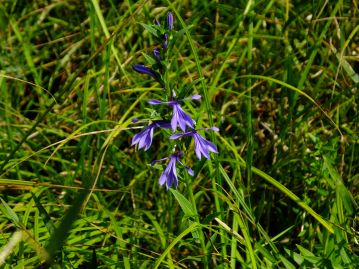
201 145
170 21
142 69
144 138
179 117
169 175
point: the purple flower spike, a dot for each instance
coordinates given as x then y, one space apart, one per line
144 138
170 21
179 117
169 176
201 145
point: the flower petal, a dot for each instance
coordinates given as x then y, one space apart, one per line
196 97
149 139
202 146
156 161
142 69
136 138
189 171
176 136
197 149
181 118
171 172
155 102
163 178
162 124
211 147
144 138
175 119
193 97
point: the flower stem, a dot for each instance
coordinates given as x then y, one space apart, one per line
201 234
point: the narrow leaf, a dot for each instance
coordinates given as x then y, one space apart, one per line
6 209
174 242
184 203
149 28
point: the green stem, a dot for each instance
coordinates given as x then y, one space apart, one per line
201 234
249 158
217 178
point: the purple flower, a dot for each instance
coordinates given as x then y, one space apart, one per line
170 21
142 69
144 138
169 175
201 145
179 117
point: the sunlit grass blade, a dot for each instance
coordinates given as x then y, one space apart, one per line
174 242
300 92
294 197
5 250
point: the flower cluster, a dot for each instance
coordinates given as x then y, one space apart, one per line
179 117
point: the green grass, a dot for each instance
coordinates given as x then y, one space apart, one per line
280 80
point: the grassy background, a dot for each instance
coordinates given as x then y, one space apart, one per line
281 82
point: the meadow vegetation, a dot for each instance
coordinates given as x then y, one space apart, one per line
278 78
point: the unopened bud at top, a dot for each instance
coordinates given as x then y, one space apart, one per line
170 21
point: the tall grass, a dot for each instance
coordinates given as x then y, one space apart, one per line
280 80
